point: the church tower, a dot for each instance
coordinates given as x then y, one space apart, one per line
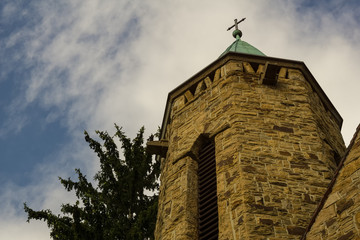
248 147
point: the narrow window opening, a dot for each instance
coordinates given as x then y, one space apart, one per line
208 207
271 74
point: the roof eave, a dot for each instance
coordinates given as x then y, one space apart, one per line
249 58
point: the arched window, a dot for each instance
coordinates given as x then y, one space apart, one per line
208 207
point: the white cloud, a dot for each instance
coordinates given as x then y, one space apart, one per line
100 62
16 228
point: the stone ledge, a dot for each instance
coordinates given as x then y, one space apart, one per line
157 147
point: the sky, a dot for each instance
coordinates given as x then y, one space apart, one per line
73 65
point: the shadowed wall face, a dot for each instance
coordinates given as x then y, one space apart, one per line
275 149
339 217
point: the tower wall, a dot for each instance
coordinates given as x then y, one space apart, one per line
276 149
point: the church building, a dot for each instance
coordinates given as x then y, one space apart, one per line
251 148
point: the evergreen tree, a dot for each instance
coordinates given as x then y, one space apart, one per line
117 208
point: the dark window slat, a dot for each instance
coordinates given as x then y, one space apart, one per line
208 208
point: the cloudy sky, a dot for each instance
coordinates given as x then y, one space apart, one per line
74 65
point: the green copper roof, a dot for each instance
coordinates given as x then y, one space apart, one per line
240 46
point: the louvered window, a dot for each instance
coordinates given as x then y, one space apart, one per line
271 74
208 209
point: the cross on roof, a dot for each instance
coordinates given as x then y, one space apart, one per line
236 24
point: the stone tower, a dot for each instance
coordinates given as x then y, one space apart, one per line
248 147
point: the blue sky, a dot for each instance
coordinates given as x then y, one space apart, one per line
72 65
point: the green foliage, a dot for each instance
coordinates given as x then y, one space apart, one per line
117 208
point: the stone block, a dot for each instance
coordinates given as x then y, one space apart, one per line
189 96
282 72
343 204
295 74
248 68
346 236
232 68
178 103
350 168
261 69
217 75
333 197
295 230
199 88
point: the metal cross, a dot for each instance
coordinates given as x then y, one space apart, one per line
236 24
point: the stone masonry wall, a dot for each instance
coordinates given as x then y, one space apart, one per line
339 218
275 154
